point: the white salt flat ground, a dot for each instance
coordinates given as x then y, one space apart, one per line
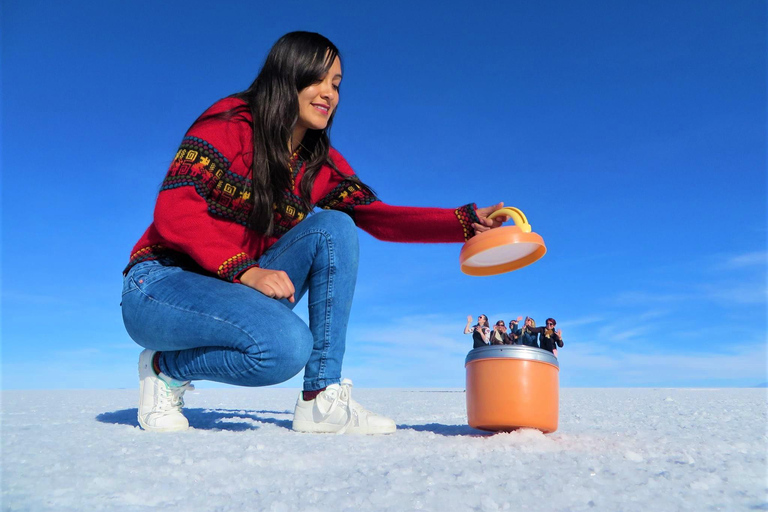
616 450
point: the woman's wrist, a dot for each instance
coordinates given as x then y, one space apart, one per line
248 277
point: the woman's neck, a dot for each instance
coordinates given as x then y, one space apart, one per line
296 137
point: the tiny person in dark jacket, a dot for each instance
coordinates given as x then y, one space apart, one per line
480 331
514 331
549 339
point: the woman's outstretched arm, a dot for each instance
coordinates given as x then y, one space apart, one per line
399 223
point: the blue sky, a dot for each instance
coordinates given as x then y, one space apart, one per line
633 135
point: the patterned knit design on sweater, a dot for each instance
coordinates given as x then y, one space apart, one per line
346 196
291 211
199 164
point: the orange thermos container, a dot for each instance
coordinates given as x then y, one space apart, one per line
512 386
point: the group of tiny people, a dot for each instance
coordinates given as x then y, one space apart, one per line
546 337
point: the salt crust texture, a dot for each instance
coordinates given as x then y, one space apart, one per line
615 450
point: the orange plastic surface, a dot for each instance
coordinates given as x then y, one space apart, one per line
495 238
506 394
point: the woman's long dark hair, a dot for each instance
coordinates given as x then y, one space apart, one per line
296 61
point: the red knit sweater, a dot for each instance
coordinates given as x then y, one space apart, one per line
205 201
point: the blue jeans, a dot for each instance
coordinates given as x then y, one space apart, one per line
210 329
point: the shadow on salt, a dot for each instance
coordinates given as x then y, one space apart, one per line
447 430
208 419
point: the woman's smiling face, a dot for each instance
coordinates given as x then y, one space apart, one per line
318 101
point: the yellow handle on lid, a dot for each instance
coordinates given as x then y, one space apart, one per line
516 215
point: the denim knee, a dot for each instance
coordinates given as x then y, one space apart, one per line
286 356
336 222
341 231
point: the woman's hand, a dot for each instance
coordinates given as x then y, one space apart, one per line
486 223
272 283
467 329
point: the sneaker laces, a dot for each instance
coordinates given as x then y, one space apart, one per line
172 397
354 410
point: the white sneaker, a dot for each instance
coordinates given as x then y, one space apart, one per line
334 411
160 398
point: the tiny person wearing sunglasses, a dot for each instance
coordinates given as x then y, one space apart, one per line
549 339
480 332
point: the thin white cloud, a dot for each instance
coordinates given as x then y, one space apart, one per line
616 334
745 361
726 279
743 293
644 297
723 293
578 322
654 314
747 260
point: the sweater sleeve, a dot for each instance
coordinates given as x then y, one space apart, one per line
201 209
394 223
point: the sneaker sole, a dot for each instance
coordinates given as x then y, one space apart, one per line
160 429
309 427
